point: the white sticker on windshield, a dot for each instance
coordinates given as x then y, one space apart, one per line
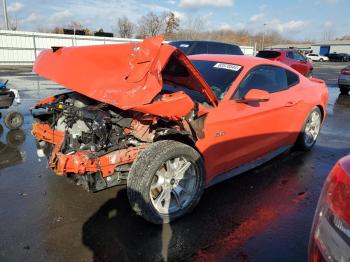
184 45
227 66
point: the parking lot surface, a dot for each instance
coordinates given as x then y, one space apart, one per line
262 215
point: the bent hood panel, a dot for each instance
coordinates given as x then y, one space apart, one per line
122 75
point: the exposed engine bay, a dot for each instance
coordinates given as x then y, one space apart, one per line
89 125
95 143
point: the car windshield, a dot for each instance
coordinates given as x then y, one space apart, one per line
219 76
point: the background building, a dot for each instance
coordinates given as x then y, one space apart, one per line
336 46
305 48
322 48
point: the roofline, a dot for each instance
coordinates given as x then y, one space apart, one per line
206 41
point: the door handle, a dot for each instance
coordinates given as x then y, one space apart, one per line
291 103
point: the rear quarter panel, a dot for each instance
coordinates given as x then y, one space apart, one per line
312 92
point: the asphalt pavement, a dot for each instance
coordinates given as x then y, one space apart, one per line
262 215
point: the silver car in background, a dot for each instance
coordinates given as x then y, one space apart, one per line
344 80
317 57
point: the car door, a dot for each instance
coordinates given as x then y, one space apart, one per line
238 133
301 63
314 57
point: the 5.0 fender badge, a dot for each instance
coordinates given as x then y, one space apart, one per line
219 133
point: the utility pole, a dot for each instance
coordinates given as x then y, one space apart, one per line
263 38
5 15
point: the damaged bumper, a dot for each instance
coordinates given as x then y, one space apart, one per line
107 167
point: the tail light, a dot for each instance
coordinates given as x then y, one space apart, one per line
332 215
345 71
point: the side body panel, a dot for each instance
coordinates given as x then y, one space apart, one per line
236 133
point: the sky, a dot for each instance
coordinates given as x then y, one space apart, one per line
295 19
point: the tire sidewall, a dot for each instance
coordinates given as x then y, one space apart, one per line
301 140
150 161
10 116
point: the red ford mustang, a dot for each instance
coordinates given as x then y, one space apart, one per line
167 125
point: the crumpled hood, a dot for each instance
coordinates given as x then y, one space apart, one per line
122 75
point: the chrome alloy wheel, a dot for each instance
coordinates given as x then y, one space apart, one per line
312 128
173 186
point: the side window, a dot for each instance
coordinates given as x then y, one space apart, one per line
216 48
290 55
298 57
199 48
292 78
233 50
269 78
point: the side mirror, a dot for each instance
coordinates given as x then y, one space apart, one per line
256 95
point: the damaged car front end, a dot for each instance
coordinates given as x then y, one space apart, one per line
117 108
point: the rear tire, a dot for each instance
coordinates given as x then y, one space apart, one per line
310 131
160 187
344 90
13 120
321 60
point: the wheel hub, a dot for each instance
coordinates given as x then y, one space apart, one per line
312 128
173 186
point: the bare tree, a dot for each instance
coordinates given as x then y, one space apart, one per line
328 34
125 28
344 37
193 28
71 25
150 25
13 24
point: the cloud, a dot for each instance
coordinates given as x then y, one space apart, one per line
32 18
60 17
200 3
328 24
180 15
293 26
15 7
255 25
225 26
257 17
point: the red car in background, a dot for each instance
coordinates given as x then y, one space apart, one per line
289 57
330 235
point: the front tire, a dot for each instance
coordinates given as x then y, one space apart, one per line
311 129
166 181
